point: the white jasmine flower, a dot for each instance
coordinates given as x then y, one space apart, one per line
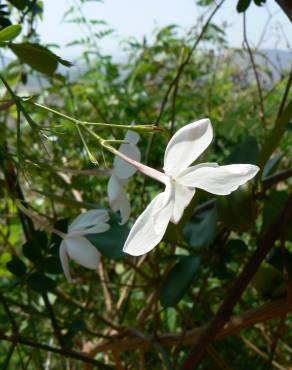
180 181
76 246
121 173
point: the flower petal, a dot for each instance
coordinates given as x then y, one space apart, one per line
132 137
118 198
183 196
114 190
215 179
82 252
64 260
143 236
96 229
88 219
186 145
123 169
164 208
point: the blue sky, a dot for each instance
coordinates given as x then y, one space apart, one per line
139 17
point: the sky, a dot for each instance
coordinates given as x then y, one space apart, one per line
136 18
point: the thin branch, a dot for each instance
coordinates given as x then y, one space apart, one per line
260 93
255 349
81 306
5 364
286 7
64 352
221 318
248 319
54 321
276 178
285 95
186 62
175 81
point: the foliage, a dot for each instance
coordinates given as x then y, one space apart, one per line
142 310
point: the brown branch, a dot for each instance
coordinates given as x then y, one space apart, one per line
249 318
18 339
54 321
105 289
276 178
286 6
221 318
285 95
255 349
62 295
217 359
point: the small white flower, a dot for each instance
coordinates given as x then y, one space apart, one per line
76 246
180 181
121 173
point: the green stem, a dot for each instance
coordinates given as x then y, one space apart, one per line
18 104
148 171
144 128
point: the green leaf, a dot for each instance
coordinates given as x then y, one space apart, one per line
10 32
40 237
237 211
236 247
271 165
4 22
19 4
273 206
268 281
242 5
40 282
52 265
38 57
259 2
62 225
246 152
16 266
111 243
73 329
276 259
32 249
178 281
204 2
201 229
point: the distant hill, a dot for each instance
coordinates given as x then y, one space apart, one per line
272 64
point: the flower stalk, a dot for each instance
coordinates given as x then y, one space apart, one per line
138 128
39 220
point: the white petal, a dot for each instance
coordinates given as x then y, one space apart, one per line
96 229
114 190
123 169
64 260
183 196
221 180
132 137
88 219
186 145
100 227
118 198
143 236
164 209
82 252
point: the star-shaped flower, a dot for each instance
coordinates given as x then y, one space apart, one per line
76 246
180 181
121 173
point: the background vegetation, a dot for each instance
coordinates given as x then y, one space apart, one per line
217 292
